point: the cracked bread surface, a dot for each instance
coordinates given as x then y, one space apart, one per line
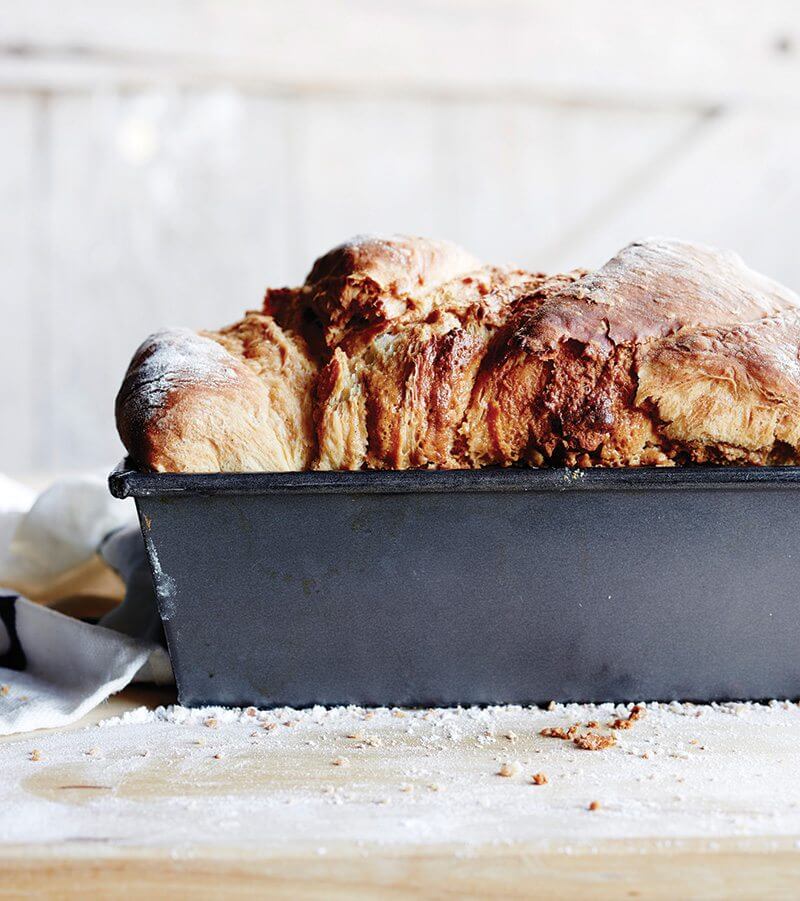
404 352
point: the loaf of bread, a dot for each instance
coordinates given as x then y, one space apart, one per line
403 352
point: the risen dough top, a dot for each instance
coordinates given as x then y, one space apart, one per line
404 352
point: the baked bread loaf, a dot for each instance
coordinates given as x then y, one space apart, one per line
404 352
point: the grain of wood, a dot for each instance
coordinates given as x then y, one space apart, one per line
180 821
609 871
735 184
677 52
167 209
18 209
365 166
519 177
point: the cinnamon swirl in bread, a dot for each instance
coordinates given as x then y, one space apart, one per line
403 352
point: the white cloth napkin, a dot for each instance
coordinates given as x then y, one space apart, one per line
54 668
58 668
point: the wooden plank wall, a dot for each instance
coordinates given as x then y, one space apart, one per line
163 161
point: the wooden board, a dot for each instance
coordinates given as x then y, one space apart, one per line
20 385
116 859
166 210
677 52
638 870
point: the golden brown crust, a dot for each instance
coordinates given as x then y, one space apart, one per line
560 381
729 394
238 400
371 280
394 395
406 394
340 416
404 352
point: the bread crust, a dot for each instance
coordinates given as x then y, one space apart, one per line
238 400
729 394
404 352
403 386
559 384
372 279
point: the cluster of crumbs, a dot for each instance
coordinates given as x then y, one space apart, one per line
568 775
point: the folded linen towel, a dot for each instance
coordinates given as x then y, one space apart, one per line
54 668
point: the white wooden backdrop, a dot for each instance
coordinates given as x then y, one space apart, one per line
161 161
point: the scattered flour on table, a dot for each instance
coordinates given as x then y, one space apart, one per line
367 777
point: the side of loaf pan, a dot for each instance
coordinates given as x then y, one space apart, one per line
476 587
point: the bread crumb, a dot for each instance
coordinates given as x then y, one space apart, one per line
406 788
595 805
509 769
290 723
92 752
539 779
559 731
4 689
35 754
434 787
620 724
251 711
340 761
218 755
593 724
269 726
210 722
398 713
369 714
637 712
511 735
551 705
356 736
593 741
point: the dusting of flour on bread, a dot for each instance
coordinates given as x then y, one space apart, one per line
176 358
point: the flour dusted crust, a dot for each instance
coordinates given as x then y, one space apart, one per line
404 352
237 400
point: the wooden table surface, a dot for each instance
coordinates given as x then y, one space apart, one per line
399 804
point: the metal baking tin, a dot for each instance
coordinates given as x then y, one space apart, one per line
476 587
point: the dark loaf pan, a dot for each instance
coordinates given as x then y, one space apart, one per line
476 587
